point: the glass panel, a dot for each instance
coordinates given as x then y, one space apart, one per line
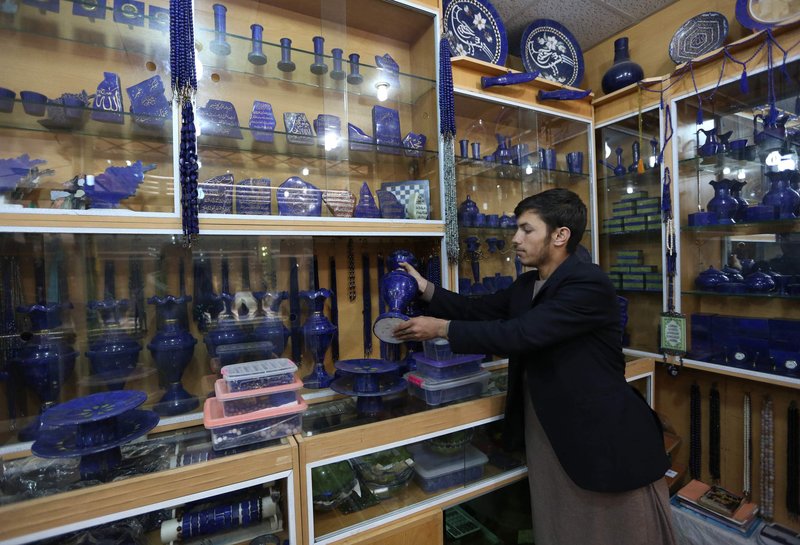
501 516
309 119
629 215
86 120
86 314
504 154
740 255
370 487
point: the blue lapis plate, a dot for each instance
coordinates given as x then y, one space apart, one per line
547 46
296 197
94 407
699 35
475 29
62 442
753 14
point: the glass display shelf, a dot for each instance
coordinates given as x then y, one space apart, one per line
707 293
745 228
650 177
475 168
43 498
410 89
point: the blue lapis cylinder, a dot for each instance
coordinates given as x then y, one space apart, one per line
319 67
286 64
256 55
354 77
218 45
476 150
464 145
337 73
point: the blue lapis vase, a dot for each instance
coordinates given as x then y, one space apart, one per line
398 290
269 326
624 71
736 193
45 361
172 348
318 333
115 354
781 196
473 245
227 331
467 212
723 204
710 278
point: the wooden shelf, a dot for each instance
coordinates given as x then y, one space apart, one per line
671 441
754 376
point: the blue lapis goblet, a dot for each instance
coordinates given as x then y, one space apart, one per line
318 333
172 348
45 361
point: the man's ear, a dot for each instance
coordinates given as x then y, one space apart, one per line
561 236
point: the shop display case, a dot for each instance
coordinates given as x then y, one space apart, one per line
198 493
630 219
411 457
738 222
510 144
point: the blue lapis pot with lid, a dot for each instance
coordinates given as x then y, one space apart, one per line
710 278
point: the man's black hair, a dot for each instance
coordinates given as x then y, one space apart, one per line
558 208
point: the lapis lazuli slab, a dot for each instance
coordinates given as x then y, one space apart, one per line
298 129
386 126
262 122
218 118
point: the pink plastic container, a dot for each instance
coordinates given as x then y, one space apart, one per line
244 429
247 401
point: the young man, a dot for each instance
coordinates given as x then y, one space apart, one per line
595 451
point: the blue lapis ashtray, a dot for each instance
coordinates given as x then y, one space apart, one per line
262 122
218 118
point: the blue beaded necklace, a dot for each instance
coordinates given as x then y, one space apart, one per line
184 87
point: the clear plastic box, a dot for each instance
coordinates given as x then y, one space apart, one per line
435 472
437 349
436 392
244 429
247 401
259 374
459 365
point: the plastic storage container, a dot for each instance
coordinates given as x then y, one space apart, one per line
235 431
458 366
259 374
436 392
434 471
247 401
437 349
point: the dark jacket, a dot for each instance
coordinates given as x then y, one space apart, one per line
568 340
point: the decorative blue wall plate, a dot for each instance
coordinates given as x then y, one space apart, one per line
476 30
697 36
551 49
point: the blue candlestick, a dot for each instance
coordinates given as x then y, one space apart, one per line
109 285
225 271
218 44
354 77
464 147
286 64
256 55
319 67
337 73
476 150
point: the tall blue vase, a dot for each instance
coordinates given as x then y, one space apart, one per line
624 71
781 196
45 361
172 348
226 332
269 325
723 204
115 354
318 333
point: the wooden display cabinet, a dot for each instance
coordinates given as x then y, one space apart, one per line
510 144
147 499
630 222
